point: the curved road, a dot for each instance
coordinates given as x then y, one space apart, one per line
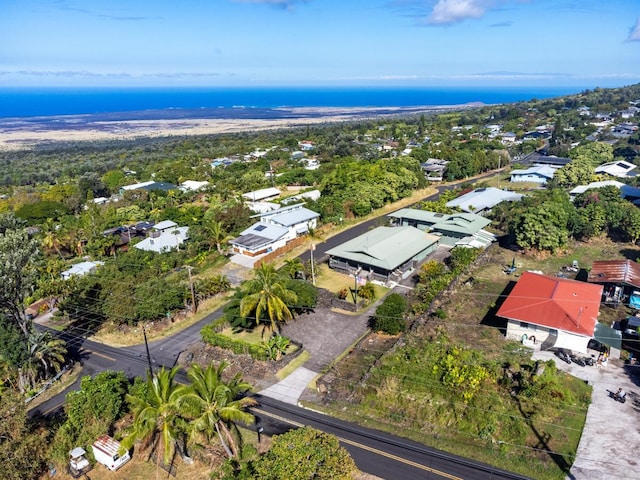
375 452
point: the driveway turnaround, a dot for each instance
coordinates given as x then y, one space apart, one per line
326 334
610 435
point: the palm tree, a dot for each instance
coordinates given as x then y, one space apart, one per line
218 234
46 354
293 266
50 240
158 422
267 293
214 406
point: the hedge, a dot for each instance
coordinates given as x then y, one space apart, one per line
210 336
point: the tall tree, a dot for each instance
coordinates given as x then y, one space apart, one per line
18 255
158 421
214 405
267 293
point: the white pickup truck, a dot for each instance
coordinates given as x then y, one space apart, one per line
106 450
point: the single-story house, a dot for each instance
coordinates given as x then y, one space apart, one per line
384 253
434 168
536 158
619 168
149 186
80 269
537 174
262 194
309 195
164 226
296 218
163 240
620 279
552 312
583 188
222 162
455 229
482 200
192 185
262 207
261 238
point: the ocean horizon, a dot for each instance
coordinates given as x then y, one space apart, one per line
43 102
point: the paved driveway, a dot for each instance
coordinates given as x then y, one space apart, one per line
326 334
611 433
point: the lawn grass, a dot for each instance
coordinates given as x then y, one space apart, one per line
291 366
139 469
401 398
335 281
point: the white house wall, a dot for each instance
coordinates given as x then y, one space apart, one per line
517 330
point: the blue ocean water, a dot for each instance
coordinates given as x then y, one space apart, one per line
30 102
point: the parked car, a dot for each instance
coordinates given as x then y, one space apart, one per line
106 451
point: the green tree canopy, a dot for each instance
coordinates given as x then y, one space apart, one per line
305 453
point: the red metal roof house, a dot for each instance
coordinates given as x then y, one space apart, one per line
551 312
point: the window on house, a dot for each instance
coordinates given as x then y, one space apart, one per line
524 325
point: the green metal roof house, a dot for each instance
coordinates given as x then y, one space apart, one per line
452 228
384 253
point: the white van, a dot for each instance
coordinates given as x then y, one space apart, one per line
106 450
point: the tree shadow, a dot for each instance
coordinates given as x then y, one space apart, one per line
491 319
543 444
632 254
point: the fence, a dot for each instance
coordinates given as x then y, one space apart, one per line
280 251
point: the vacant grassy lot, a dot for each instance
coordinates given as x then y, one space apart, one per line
455 383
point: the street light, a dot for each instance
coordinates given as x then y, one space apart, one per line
260 430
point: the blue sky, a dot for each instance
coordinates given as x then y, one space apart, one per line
584 43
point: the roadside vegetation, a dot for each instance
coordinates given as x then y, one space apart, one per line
441 373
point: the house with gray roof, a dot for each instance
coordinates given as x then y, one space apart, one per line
465 229
605 183
537 174
275 229
618 168
149 186
261 238
482 200
537 158
262 194
164 241
80 269
296 218
384 254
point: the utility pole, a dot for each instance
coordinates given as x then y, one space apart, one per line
313 273
194 307
146 344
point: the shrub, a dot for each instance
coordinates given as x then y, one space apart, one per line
389 316
210 336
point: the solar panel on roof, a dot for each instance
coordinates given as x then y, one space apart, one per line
260 228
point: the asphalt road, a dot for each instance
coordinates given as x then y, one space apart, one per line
375 452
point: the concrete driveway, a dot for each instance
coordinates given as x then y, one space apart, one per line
611 433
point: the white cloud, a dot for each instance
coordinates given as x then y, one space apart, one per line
452 11
634 33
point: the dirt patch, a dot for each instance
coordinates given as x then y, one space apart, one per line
338 384
260 374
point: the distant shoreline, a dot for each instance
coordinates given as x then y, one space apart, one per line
19 133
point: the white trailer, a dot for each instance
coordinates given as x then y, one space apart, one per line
106 450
